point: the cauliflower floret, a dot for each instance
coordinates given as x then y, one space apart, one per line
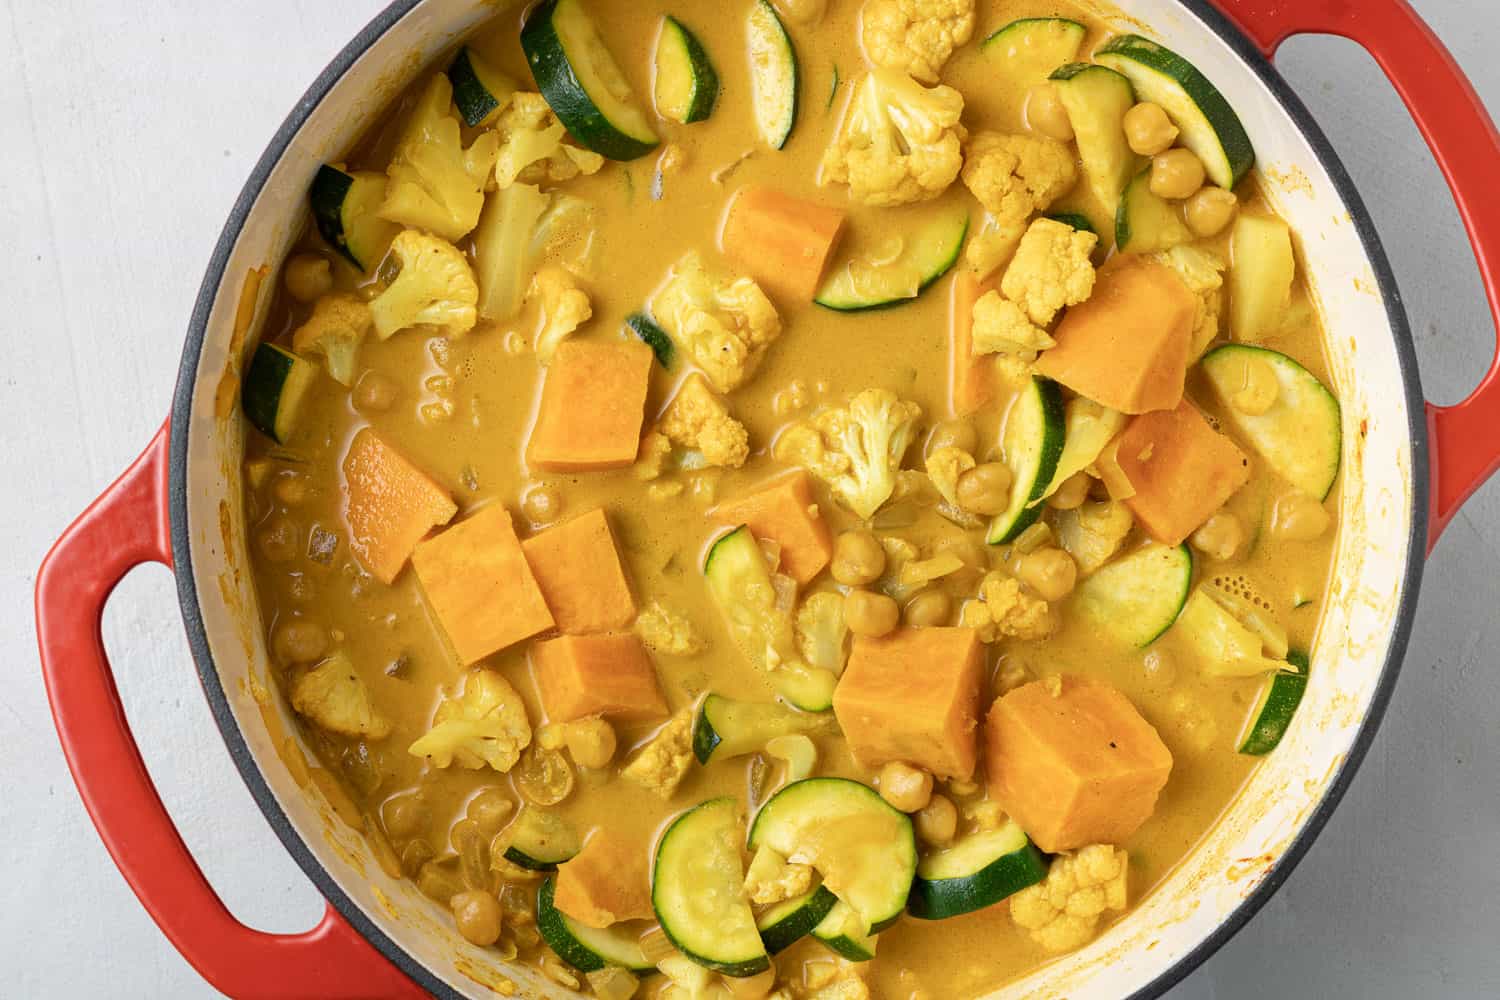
434 288
899 142
836 980
1051 269
333 696
1014 176
945 465
725 323
1004 609
856 449
821 631
1002 327
916 36
772 879
1203 273
666 632
336 328
486 724
564 306
651 460
1093 533
699 420
532 150
434 183
665 759
1062 910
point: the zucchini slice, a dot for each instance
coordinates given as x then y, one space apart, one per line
1301 436
725 728
1137 597
1208 124
741 585
841 930
925 256
1096 99
274 387
1077 220
587 949
863 848
479 90
580 79
697 890
1088 428
786 923
1146 222
1273 713
653 336
1035 430
1260 280
539 840
344 208
775 77
978 871
686 85
1028 50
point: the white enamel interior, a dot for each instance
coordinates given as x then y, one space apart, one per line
1349 653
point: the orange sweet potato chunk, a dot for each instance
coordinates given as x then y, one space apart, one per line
389 505
479 586
1181 470
971 380
913 696
609 674
1127 345
1073 762
606 882
578 568
783 510
593 404
781 241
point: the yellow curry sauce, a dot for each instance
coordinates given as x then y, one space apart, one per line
460 408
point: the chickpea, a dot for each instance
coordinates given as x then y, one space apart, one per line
1177 173
931 608
1046 114
307 277
278 540
937 821
1072 493
1050 572
985 489
403 815
1260 388
1220 537
870 614
541 503
489 809
374 392
1300 518
299 641
906 788
858 558
953 434
1148 129
1210 210
592 742
478 916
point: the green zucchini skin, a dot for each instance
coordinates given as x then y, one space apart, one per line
584 948
1076 220
1004 875
654 337
1273 716
1140 595
273 389
705 77
780 930
1026 494
774 86
935 249
475 102
329 187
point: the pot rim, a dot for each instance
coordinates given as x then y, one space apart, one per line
249 768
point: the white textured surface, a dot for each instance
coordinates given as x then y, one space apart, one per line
123 141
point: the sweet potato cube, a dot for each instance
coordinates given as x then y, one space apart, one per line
578 568
1181 470
1127 345
783 242
971 379
609 674
1073 762
389 504
606 882
479 586
913 696
783 510
593 404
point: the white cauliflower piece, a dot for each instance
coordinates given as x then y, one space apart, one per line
724 323
564 308
770 878
333 696
1002 327
1051 269
486 724
856 449
665 759
337 326
899 142
1094 532
915 36
435 288
944 466
1062 911
664 631
1004 609
821 631
434 183
698 420
1203 272
1014 176
532 150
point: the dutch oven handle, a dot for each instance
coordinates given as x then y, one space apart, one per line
1464 439
125 527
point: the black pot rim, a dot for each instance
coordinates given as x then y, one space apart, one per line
328 885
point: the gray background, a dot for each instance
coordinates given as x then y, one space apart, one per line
127 129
